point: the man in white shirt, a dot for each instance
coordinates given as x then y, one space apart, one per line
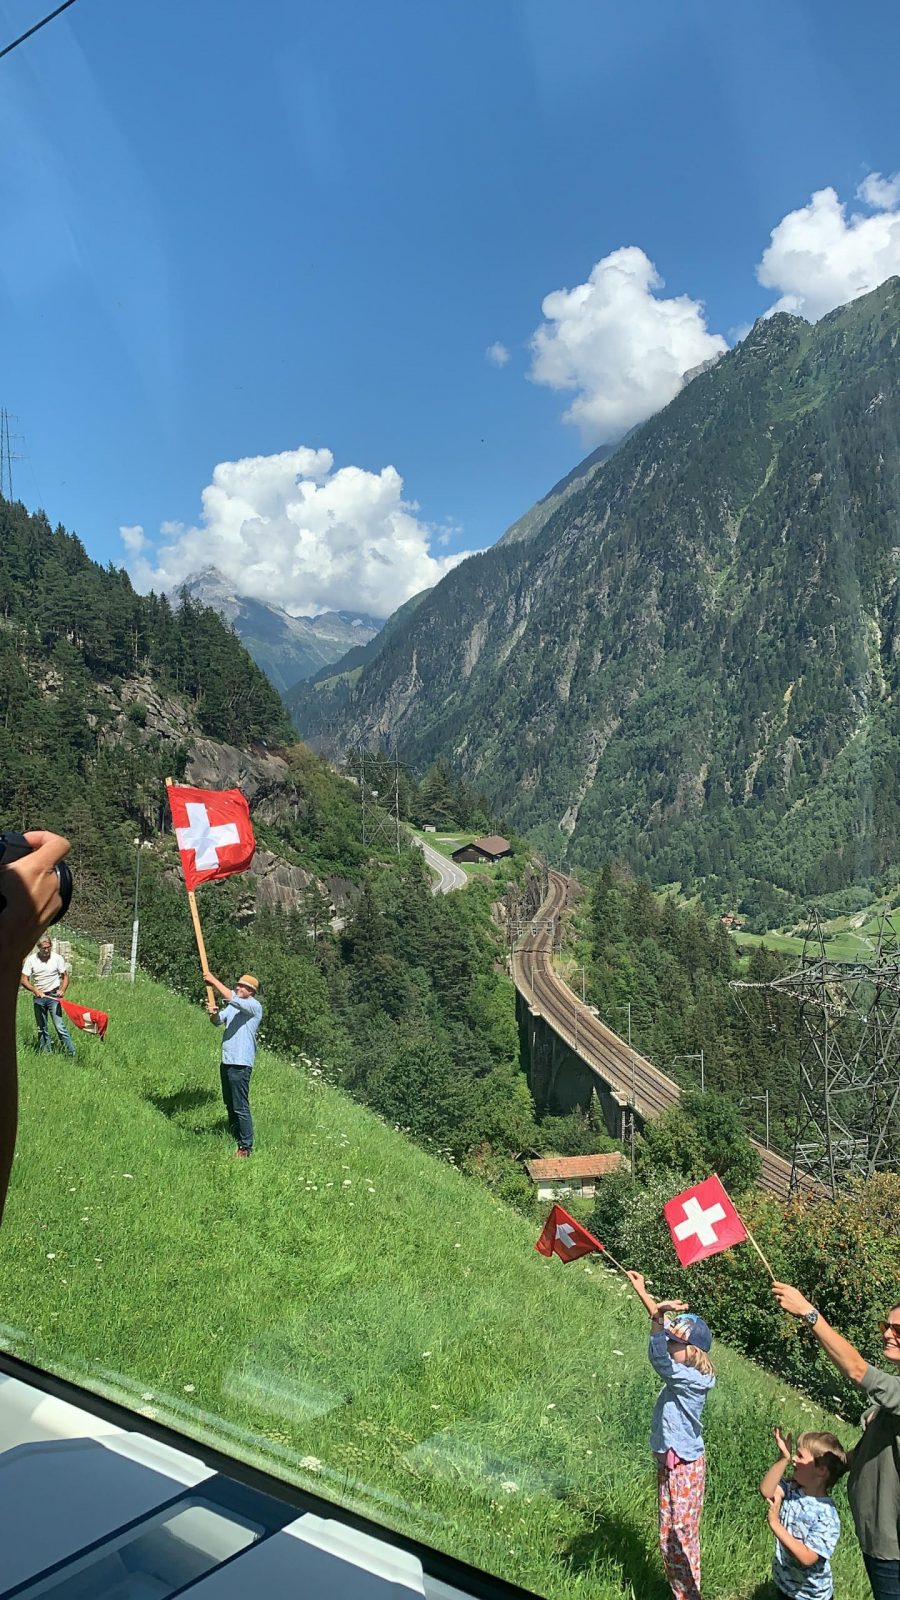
46 976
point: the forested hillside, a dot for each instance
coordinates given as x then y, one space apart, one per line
674 968
103 694
693 666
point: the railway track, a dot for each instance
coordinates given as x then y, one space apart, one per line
632 1078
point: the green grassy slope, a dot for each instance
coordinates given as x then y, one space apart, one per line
354 1313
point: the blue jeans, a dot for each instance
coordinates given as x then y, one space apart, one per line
46 1011
884 1576
236 1095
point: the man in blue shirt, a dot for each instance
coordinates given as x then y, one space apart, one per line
240 1016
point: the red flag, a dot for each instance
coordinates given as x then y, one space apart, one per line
91 1021
213 830
703 1221
566 1238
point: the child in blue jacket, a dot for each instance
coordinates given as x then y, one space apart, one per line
679 1352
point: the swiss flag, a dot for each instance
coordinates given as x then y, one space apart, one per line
95 1022
566 1238
213 830
703 1221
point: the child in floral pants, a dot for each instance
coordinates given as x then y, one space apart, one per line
678 1351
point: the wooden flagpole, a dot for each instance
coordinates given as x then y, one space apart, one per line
610 1257
754 1243
198 932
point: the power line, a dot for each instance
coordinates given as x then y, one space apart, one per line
37 26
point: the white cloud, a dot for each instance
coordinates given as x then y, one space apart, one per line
134 538
292 530
619 345
880 193
497 353
819 257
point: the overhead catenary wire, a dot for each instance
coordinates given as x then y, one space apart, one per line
36 28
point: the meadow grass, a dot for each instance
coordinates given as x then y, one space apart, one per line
354 1314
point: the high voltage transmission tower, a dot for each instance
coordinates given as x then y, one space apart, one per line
848 1104
378 776
7 454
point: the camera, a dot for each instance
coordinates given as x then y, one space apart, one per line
13 847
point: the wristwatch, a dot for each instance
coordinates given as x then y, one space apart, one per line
811 1318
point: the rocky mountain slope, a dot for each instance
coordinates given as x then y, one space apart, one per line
289 649
537 516
335 680
693 664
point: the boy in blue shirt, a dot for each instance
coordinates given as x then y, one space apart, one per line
802 1514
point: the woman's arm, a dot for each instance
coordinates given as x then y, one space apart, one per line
845 1356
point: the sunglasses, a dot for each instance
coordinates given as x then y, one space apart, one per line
890 1327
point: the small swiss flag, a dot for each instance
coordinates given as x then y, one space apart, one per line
703 1221
213 830
566 1238
95 1022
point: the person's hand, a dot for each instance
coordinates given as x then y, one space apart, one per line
30 889
636 1279
671 1305
791 1300
774 1512
208 978
785 1443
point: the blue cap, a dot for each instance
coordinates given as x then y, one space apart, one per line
696 1331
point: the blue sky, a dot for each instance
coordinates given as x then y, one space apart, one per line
235 230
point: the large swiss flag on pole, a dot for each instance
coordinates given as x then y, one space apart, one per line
703 1221
213 830
566 1238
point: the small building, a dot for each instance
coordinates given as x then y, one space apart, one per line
430 828
491 849
557 1176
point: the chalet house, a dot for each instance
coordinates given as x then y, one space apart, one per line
490 849
557 1176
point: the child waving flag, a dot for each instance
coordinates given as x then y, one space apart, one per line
678 1351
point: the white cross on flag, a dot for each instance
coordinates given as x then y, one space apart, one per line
703 1221
213 830
566 1238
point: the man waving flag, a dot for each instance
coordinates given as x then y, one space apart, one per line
213 832
215 839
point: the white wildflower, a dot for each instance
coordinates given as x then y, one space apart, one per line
509 1486
311 1463
189 1388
